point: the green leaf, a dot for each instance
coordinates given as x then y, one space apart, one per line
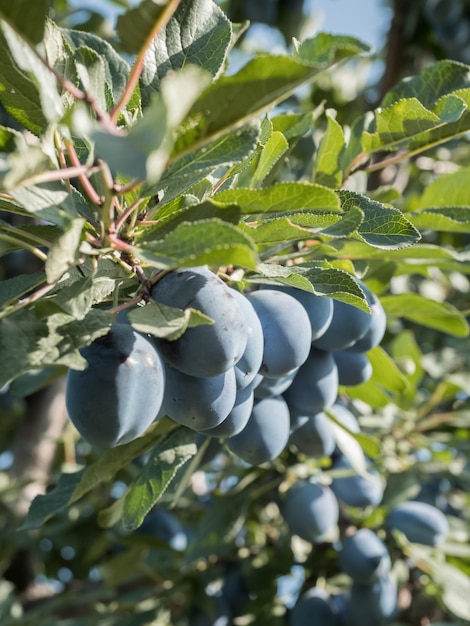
21 168
188 170
143 153
19 93
453 583
326 49
435 81
186 208
281 197
292 227
198 34
91 72
136 25
320 279
115 67
450 190
12 289
50 202
262 83
272 151
166 458
346 225
115 459
28 342
27 18
404 119
42 77
441 316
44 507
164 321
454 219
327 168
77 298
383 226
387 381
211 242
64 253
218 526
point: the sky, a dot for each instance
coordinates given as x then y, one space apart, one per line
367 20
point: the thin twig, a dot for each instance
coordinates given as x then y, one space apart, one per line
86 184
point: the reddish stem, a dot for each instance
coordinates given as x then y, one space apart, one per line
87 186
139 62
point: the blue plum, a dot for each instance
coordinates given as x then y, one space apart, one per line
248 366
319 308
314 437
208 349
120 393
376 331
357 490
364 556
238 417
373 604
311 510
315 386
266 433
354 368
420 522
348 324
270 387
313 608
199 403
286 331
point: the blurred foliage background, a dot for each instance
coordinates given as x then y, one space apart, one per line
71 564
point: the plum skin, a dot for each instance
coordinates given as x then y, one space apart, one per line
420 522
266 433
120 393
310 510
209 349
286 330
364 556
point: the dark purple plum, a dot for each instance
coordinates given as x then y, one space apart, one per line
376 331
315 386
311 511
250 362
165 525
419 522
348 324
364 556
199 403
238 417
373 604
312 608
357 490
286 331
354 368
266 433
120 393
314 437
208 349
270 387
319 308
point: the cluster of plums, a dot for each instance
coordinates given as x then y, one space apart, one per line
272 360
311 511
264 375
